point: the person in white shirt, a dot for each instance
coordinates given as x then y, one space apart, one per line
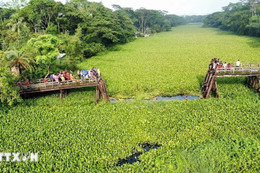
238 63
225 65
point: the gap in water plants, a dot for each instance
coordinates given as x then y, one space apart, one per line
135 156
167 98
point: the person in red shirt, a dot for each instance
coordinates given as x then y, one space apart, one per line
27 82
68 76
45 80
19 83
79 73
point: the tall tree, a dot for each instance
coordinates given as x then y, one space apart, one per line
47 51
39 13
143 17
253 6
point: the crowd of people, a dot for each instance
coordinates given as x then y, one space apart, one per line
91 74
60 77
216 63
82 74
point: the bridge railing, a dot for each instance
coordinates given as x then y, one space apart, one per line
246 64
234 70
51 85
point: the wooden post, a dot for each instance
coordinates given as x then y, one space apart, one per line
258 83
97 94
61 94
216 89
65 93
101 89
253 82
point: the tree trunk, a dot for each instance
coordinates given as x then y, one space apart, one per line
48 67
20 69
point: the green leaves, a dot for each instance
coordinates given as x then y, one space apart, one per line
47 51
8 93
75 135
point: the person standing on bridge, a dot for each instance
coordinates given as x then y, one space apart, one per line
229 66
51 77
225 65
19 84
56 77
238 63
79 73
45 80
27 82
71 75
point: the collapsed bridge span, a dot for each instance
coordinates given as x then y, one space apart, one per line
249 70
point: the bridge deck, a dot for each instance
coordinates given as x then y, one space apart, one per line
237 71
250 70
54 86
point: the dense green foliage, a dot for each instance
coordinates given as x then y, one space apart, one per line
214 135
151 21
241 18
195 18
101 27
46 49
38 31
175 20
8 95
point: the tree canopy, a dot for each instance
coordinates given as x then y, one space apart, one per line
242 18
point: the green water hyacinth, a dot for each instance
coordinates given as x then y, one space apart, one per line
213 135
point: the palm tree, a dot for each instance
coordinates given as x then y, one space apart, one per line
17 61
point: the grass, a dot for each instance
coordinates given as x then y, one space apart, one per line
214 135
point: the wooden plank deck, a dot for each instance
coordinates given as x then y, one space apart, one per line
238 71
55 86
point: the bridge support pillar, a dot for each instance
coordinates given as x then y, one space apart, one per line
61 94
253 82
101 89
210 85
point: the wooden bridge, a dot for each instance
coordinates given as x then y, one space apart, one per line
249 70
64 86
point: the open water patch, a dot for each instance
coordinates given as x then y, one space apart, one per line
113 100
178 97
135 156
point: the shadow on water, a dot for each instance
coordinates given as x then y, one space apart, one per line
135 156
223 32
231 80
228 80
254 42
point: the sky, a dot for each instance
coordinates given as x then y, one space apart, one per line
179 7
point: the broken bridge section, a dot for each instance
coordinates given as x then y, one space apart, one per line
249 70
